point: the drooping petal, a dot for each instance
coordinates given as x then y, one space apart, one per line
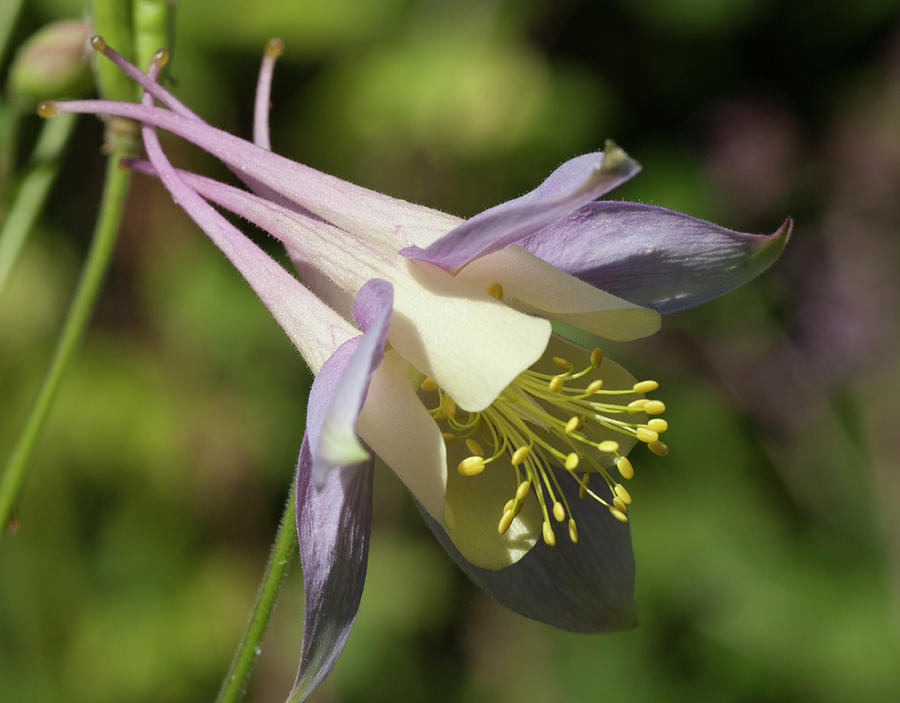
655 257
583 587
397 427
333 527
576 182
534 286
339 390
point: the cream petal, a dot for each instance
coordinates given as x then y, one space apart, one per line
474 506
398 428
534 286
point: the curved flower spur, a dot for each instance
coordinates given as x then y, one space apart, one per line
452 362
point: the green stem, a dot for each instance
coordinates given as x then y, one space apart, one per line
9 13
34 190
248 650
114 191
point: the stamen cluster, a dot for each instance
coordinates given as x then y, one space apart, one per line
559 419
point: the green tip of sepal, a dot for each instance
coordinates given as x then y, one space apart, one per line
614 157
769 248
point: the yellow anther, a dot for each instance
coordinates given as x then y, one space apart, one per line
618 515
505 521
428 384
509 505
626 470
620 504
657 424
471 466
549 537
475 447
573 531
582 485
609 446
637 404
594 386
559 512
46 109
573 424
596 357
658 448
562 363
448 436
572 461
495 290
518 508
160 58
519 455
622 493
449 411
654 407
645 434
274 47
555 385
645 386
522 490
97 43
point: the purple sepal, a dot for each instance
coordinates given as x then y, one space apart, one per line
334 491
333 527
339 389
584 587
655 257
576 182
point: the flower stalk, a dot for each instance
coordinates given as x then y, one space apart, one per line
248 650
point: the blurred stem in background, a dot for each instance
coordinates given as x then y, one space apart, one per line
32 195
9 13
119 21
283 550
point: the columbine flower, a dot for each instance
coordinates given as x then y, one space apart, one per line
456 365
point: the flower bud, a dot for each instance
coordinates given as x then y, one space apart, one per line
52 63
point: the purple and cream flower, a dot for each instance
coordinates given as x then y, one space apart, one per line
433 348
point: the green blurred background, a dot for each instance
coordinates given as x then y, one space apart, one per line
767 542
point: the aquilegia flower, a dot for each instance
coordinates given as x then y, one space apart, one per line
432 346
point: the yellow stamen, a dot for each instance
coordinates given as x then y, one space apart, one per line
594 386
505 521
620 504
519 456
608 446
583 484
618 515
559 512
549 537
659 448
654 407
523 490
428 384
573 424
645 386
658 425
573 531
562 363
471 466
555 385
572 461
622 493
495 290
596 357
624 466
645 434
97 43
474 447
